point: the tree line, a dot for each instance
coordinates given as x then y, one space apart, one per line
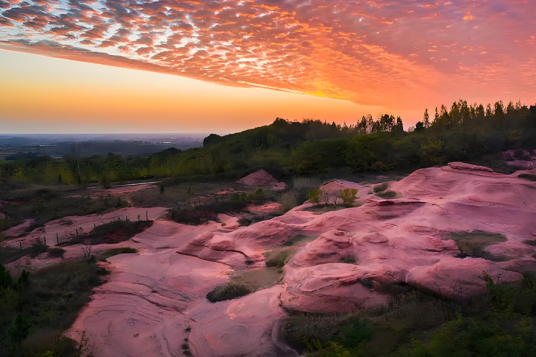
465 132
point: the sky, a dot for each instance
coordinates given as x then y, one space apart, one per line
224 66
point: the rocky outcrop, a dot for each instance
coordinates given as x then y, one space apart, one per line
262 178
154 302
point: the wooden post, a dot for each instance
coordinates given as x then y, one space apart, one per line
58 238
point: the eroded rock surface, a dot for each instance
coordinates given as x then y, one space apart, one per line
154 301
262 178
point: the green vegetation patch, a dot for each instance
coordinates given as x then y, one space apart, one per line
44 205
228 292
324 334
387 194
38 307
462 132
257 279
244 283
349 260
199 213
381 187
116 251
10 254
288 200
278 257
499 323
299 240
473 244
112 232
320 209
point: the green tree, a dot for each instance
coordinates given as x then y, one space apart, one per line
19 330
432 153
24 278
105 181
347 195
6 280
314 196
426 119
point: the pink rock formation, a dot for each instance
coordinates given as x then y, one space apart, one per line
332 190
155 299
19 230
526 162
228 221
468 167
262 178
271 207
521 165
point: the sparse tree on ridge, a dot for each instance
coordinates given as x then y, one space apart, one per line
436 117
426 118
489 111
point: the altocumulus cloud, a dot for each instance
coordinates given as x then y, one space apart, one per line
395 53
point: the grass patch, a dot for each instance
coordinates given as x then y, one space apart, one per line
296 329
112 232
289 200
278 257
193 216
381 187
527 177
257 279
299 240
498 323
46 205
249 219
387 194
10 254
49 300
116 251
349 260
244 283
228 292
473 244
56 252
199 214
320 209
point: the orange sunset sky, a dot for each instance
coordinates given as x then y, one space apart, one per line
127 66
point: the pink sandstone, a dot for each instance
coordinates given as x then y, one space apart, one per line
155 299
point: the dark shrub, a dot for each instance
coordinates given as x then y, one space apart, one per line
227 292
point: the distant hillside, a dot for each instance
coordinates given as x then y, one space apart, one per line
470 133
